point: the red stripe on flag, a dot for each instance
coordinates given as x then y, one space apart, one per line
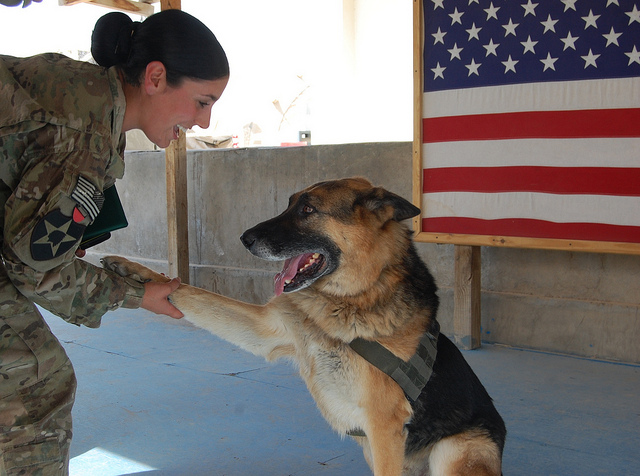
560 180
533 124
518 227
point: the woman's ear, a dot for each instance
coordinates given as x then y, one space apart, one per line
155 78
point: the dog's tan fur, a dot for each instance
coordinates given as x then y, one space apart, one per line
313 327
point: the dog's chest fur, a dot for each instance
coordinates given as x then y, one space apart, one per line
335 375
331 374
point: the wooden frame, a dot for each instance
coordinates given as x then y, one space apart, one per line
478 240
142 7
467 277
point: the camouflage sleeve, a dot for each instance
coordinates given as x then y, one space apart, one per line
78 292
44 220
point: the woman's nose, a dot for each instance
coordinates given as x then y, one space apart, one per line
204 118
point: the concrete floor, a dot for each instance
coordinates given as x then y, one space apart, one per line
160 397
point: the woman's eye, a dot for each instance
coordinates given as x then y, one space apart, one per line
203 104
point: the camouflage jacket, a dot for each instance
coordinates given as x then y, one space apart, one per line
61 145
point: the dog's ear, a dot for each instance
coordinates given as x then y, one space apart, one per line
388 205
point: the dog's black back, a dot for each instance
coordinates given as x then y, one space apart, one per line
454 399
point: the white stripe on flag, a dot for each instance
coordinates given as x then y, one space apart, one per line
539 206
624 152
554 96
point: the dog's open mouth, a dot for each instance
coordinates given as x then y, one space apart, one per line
298 271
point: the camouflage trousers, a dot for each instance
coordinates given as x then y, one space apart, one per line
37 390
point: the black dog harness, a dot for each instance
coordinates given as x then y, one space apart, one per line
412 375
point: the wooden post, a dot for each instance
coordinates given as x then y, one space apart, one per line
418 39
177 201
170 4
177 209
467 297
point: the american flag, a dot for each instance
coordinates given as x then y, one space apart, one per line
531 119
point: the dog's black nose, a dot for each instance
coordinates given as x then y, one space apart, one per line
248 239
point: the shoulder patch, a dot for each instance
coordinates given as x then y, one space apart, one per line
88 197
54 235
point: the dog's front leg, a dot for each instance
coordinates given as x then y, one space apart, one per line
387 453
387 412
254 328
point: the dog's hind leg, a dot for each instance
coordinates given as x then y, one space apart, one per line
472 453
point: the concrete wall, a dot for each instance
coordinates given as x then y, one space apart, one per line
585 304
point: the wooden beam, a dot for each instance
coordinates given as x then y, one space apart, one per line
177 209
533 243
170 4
418 39
177 200
140 8
68 3
467 297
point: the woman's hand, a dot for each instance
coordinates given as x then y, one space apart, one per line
155 298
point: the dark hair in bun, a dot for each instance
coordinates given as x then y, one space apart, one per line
181 42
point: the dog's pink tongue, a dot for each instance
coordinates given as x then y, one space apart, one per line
288 271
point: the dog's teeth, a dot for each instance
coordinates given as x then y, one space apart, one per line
288 281
311 261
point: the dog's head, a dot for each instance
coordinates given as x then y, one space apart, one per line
339 233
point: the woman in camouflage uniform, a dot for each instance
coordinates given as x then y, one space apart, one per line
62 125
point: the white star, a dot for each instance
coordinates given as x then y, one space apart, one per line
569 4
455 52
473 32
439 36
473 67
456 16
549 25
634 56
438 71
590 59
492 12
569 41
549 62
529 45
530 8
509 65
438 4
612 2
491 48
634 15
510 28
612 37
474 1
590 20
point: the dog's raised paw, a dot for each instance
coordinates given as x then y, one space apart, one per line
122 267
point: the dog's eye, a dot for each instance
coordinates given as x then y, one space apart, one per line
308 209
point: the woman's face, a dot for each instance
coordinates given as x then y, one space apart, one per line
186 105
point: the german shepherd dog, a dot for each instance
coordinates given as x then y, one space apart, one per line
351 272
